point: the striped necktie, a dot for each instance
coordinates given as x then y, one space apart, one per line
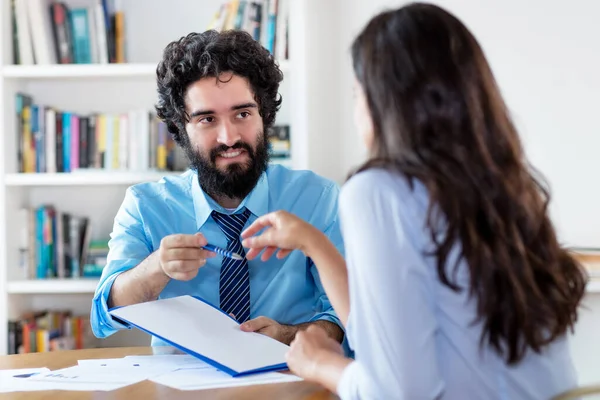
234 282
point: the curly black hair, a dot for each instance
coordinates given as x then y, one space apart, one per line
208 54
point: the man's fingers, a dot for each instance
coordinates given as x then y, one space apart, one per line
183 240
201 239
184 266
187 253
256 324
184 276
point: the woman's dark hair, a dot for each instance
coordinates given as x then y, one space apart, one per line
438 117
208 54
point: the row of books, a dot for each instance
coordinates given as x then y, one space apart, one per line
279 142
54 244
265 20
52 140
43 331
590 258
45 32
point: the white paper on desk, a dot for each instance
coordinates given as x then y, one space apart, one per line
175 360
166 362
206 332
91 378
13 380
211 378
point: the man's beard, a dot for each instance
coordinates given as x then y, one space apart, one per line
238 180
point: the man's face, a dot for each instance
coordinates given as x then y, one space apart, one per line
227 144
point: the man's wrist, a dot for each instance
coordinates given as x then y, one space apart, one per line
156 278
289 333
331 328
157 273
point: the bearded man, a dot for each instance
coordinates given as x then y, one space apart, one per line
218 95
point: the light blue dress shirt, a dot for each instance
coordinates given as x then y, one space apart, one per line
288 291
413 337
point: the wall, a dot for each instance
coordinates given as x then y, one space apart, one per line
545 56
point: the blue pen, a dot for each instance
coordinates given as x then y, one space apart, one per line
223 252
26 375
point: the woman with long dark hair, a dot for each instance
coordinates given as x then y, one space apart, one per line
454 284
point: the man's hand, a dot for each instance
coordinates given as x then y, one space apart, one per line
286 333
181 255
266 326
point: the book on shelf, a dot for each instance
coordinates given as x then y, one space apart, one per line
96 259
590 258
77 31
52 140
266 20
36 332
279 142
54 244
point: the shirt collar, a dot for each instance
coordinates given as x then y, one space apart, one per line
257 201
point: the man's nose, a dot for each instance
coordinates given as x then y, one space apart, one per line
228 135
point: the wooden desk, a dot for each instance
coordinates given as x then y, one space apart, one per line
147 390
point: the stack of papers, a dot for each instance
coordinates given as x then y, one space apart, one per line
219 354
91 378
15 380
211 378
179 371
194 374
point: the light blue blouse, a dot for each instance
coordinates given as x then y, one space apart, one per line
413 337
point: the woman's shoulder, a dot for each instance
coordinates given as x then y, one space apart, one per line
378 191
371 179
376 183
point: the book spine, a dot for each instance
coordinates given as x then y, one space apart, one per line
61 29
74 142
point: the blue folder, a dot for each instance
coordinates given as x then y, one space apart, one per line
177 315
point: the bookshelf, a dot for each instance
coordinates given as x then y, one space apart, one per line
74 71
594 286
309 110
82 178
52 286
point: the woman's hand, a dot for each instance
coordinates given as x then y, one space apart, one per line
310 350
284 231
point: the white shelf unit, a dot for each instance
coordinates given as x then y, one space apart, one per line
83 178
52 286
310 107
593 286
71 71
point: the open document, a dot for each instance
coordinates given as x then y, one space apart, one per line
15 380
207 333
210 378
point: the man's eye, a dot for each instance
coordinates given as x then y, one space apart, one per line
243 114
207 120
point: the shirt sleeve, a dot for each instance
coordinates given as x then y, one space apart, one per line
128 246
393 324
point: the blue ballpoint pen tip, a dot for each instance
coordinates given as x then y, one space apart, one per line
236 256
